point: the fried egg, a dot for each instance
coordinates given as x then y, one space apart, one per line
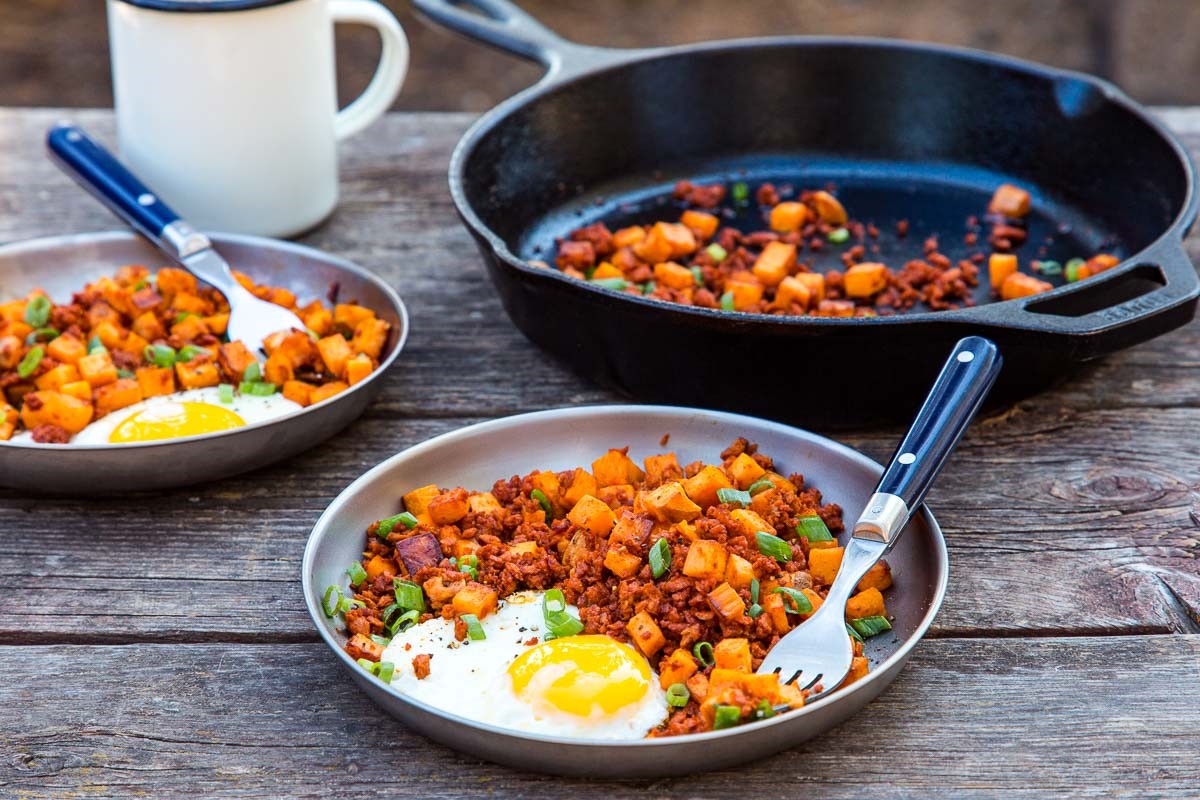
582 687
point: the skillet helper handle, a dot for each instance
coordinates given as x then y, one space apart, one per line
959 391
102 175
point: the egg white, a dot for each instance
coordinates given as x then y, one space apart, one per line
470 678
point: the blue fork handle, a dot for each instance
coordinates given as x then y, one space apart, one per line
99 172
960 389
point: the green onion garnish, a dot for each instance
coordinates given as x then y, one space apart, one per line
333 599
838 236
543 501
382 641
403 621
755 611
727 302
366 664
470 561
703 651
741 192
813 528
142 284
385 670
124 373
30 362
190 351
771 545
716 252
96 346
870 626
1071 270
357 574
1049 267
648 287
763 710
760 485
798 602
617 284
37 311
160 355
42 334
660 558
348 603
733 496
559 622
755 589
181 316
678 695
225 393
474 629
853 634
257 388
404 518
698 274
409 595
726 717
252 373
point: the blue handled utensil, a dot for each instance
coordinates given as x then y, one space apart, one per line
819 649
251 320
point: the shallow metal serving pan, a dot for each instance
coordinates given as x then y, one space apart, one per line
62 265
561 439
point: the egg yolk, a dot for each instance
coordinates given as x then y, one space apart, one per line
584 676
171 420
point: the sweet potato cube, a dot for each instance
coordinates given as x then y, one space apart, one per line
298 348
8 420
792 291
773 607
744 295
217 324
278 369
702 487
732 654
859 667
370 336
1100 263
481 502
189 328
155 381
829 209
118 394
745 470
621 562
148 326
824 564
615 468
775 262
196 374
702 224
815 281
363 646
1021 285
706 559
788 216
189 303
677 239
546 483
347 316
582 483
56 377
234 358
814 598
449 507
878 577
171 281
417 501
318 319
676 668
298 392
607 270
1000 266
738 572
464 547
628 237
727 602
661 468
865 280
56 408
698 686
670 503
1010 201
326 391
674 276
335 352
378 565
66 348
592 515
475 598
750 523
110 334
867 603
81 389
97 368
645 633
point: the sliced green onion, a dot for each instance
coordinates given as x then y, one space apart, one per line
727 302
403 621
559 622
474 629
409 595
794 601
404 518
678 695
252 373
181 316
348 603
42 334
30 362
854 634
124 373
385 670
160 355
37 311
726 717
1071 270
870 626
763 710
357 574
755 590
703 651
716 252
554 602
190 351
617 284
471 561
698 274
316 337
760 485
142 284
589 272
813 528
660 558
543 501
225 393
771 545
367 664
648 287
741 192
382 641
755 611
838 236
1049 267
257 388
332 601
733 496
96 346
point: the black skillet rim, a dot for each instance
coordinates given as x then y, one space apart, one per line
618 59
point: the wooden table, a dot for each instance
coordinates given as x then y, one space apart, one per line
157 644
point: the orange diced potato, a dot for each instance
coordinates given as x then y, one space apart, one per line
118 394
346 317
593 515
1000 266
607 270
792 291
464 547
417 501
378 565
359 368
788 216
738 572
733 653
546 483
679 238
621 562
582 483
197 374
698 686
867 603
829 209
449 507
56 377
675 276
8 420
56 408
700 223
775 262
859 666
319 320
154 381
661 468
524 548
217 324
1099 263
706 559
298 392
745 470
702 487
363 646
110 334
370 336
646 634
278 369
727 602
669 503
878 577
615 468
326 391
66 348
815 599
1009 200
234 358
282 297
475 598
676 668
481 502
865 280
824 564
148 326
815 281
335 352
189 328
171 281
745 295
97 368
192 304
776 611
628 237
81 389
750 523
1021 285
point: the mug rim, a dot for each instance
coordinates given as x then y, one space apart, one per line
203 6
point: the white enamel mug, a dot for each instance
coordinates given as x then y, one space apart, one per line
228 108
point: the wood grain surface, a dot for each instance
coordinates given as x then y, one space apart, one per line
157 644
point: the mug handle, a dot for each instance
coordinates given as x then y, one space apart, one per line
389 75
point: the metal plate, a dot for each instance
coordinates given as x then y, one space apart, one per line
62 265
561 439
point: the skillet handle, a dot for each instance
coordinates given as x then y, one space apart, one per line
506 27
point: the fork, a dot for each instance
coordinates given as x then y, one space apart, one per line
251 320
818 652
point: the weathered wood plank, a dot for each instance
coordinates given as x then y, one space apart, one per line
968 719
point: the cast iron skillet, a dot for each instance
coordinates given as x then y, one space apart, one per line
63 264
475 456
906 131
